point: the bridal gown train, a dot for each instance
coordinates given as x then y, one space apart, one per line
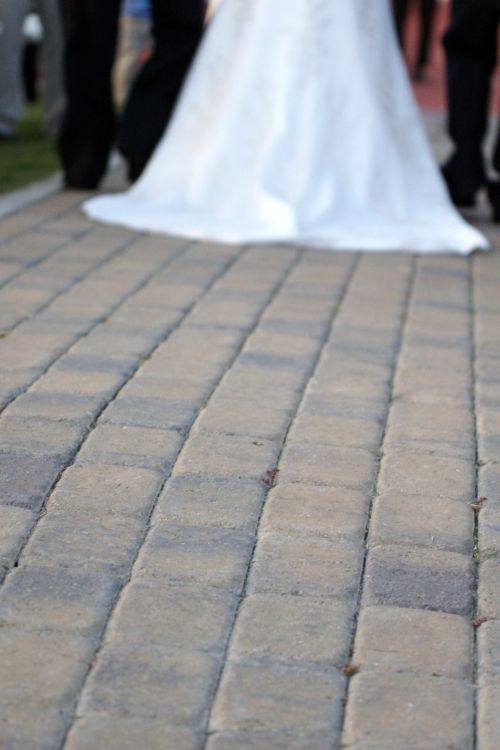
297 124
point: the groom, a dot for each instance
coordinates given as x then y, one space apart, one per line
89 126
471 47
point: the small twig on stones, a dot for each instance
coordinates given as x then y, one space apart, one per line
350 669
479 621
270 478
478 504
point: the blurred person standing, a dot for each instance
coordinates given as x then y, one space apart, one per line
90 122
134 42
12 95
427 13
33 38
471 44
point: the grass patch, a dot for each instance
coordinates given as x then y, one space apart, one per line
29 156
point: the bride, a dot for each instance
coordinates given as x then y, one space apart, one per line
297 125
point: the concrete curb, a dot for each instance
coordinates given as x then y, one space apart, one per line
19 199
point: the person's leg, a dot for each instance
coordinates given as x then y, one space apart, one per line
88 127
177 30
12 15
52 65
400 8
427 16
470 44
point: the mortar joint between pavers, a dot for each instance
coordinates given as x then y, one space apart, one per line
477 468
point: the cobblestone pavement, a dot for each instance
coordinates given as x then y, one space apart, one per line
249 497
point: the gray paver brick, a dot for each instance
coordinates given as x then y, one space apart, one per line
40 437
261 388
325 511
25 480
132 679
291 629
53 599
166 387
443 429
489 718
489 527
489 432
107 489
320 464
305 565
205 501
414 711
393 639
278 698
242 417
41 669
436 351
227 308
25 727
157 413
422 521
414 383
489 483
488 651
430 475
54 406
337 430
15 526
341 376
90 383
208 556
84 541
256 740
121 733
422 578
131 446
351 405
227 456
82 363
301 348
489 589
176 616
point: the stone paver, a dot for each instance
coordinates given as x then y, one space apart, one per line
249 497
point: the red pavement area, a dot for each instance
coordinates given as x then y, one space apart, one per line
431 93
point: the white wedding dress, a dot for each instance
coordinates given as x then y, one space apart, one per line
297 124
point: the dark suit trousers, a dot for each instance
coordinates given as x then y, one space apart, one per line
89 126
471 48
177 30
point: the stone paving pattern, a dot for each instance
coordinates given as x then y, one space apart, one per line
249 497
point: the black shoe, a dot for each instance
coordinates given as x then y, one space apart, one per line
70 183
494 198
459 197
